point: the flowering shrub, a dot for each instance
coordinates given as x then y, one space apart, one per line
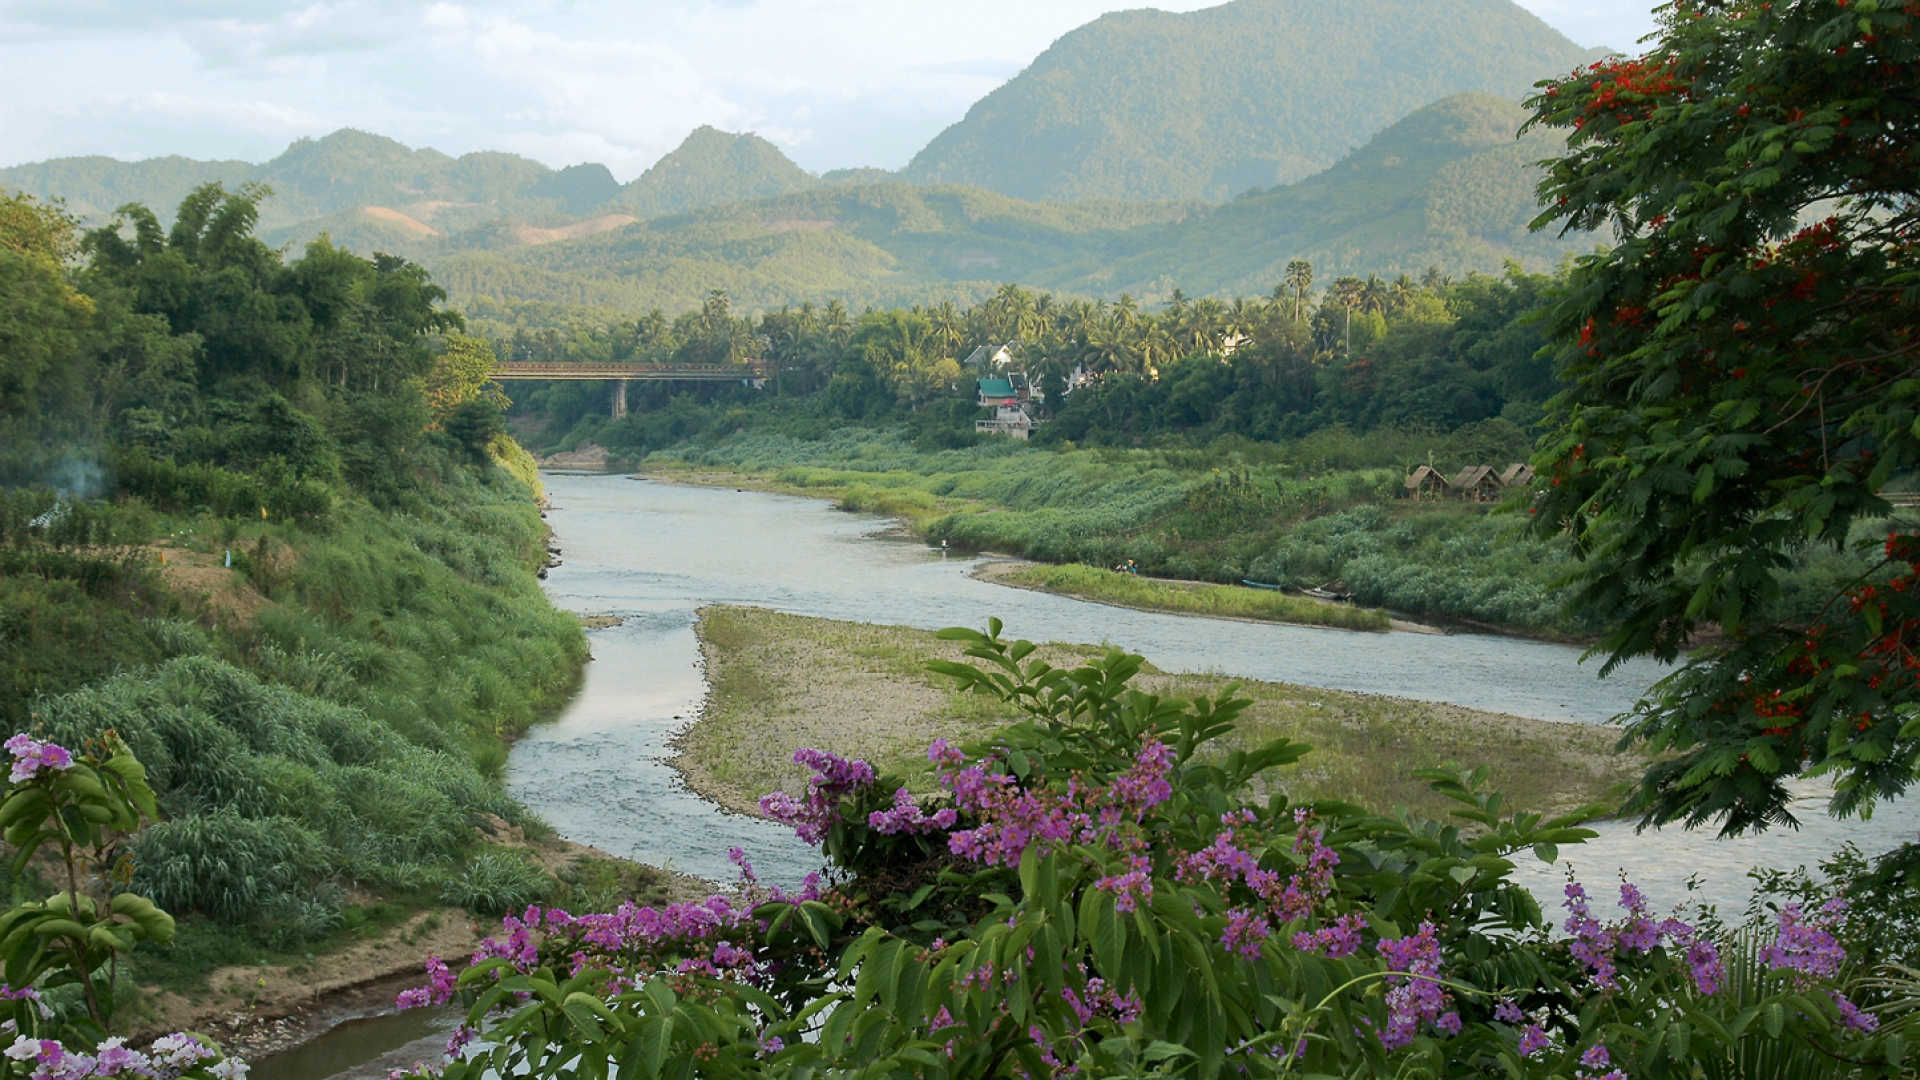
1091 892
85 806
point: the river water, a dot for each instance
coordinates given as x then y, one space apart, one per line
653 554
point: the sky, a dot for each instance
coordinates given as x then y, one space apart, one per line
834 83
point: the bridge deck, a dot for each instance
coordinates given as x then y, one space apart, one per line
697 372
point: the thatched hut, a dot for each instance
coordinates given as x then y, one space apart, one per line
1518 474
1477 483
1425 482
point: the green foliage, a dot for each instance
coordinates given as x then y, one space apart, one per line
369 631
1743 391
1019 941
1310 512
497 882
87 807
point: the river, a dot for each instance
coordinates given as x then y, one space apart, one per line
653 554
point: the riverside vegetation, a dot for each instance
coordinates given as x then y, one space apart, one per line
1094 890
260 523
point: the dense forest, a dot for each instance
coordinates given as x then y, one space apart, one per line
257 516
1432 353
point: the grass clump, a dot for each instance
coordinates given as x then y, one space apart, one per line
497 882
1188 598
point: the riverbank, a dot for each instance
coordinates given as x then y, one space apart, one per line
1183 597
782 682
1218 516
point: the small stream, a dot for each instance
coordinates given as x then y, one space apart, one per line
655 553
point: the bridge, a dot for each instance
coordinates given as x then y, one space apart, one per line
753 372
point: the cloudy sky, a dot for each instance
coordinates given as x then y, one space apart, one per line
833 82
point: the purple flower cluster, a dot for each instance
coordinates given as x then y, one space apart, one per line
1597 945
1595 1058
1229 859
437 991
168 1057
631 940
1414 994
30 755
1012 818
1336 940
1806 943
907 817
833 778
1130 888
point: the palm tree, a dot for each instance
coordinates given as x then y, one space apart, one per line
1373 295
1298 277
949 327
1346 292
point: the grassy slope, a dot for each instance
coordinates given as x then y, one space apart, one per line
324 722
768 699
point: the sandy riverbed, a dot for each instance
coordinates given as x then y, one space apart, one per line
783 682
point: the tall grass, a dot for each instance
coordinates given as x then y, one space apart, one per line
1319 510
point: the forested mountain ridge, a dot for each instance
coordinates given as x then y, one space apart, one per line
1208 104
708 168
1448 187
318 183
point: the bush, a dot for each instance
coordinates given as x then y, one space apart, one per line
497 882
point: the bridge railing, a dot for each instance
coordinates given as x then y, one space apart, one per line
753 369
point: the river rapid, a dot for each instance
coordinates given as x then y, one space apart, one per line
653 554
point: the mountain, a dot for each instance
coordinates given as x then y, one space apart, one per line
1208 104
708 168
1447 186
885 243
94 186
331 181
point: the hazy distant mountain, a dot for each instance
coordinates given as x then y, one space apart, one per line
341 174
95 186
885 243
1208 104
1448 186
579 189
709 168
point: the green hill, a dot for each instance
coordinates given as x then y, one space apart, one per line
323 184
708 168
888 243
95 186
1448 186
1208 104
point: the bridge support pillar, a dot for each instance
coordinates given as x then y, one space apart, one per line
619 398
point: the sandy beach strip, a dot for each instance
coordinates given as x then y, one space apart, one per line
780 682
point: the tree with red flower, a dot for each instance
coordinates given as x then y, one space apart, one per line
1743 371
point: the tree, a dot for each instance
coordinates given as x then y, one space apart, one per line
1299 278
461 373
1742 388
